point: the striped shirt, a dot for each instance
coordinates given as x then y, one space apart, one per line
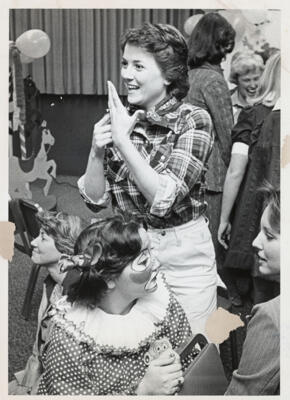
176 140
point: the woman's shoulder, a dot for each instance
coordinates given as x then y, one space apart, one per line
208 74
270 310
194 116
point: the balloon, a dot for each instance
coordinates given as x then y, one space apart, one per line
190 23
256 17
33 43
25 60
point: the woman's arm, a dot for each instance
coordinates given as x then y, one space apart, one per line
94 179
122 124
234 177
65 372
144 176
241 135
259 367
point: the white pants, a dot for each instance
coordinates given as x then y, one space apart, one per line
187 258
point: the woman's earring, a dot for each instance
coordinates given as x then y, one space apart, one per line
111 284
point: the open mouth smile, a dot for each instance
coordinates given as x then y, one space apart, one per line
132 87
261 259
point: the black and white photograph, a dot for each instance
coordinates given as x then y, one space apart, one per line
144 164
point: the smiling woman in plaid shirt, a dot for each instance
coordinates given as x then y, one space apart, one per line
150 159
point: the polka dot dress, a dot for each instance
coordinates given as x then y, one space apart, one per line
81 367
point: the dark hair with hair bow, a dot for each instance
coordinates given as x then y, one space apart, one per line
102 251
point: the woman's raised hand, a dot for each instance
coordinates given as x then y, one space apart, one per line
102 135
122 123
163 376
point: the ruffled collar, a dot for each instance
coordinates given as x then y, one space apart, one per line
163 114
115 333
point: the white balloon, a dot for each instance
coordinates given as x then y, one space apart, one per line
33 43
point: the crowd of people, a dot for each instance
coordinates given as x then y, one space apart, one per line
180 166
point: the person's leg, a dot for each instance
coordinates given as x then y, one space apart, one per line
214 201
187 258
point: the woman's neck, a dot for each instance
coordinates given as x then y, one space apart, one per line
113 303
55 273
244 101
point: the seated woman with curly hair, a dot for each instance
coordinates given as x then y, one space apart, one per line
58 234
115 313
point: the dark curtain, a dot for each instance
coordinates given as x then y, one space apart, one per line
85 44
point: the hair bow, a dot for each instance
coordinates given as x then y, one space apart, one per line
67 262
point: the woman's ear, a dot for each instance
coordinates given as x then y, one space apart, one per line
97 252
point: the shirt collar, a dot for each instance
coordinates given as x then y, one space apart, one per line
163 114
236 101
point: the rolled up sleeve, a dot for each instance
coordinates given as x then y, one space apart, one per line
185 163
95 206
166 194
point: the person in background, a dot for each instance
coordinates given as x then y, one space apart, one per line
259 368
255 151
57 235
151 160
210 41
114 315
245 73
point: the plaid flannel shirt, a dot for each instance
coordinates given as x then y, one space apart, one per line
176 140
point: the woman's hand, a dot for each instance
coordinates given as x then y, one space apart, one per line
122 123
102 135
163 376
224 233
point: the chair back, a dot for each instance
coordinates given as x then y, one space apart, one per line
23 214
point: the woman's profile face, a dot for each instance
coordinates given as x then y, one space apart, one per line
45 253
267 244
143 78
248 84
139 277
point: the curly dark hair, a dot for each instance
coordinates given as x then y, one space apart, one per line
169 49
120 243
211 39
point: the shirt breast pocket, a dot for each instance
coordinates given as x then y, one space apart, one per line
160 157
